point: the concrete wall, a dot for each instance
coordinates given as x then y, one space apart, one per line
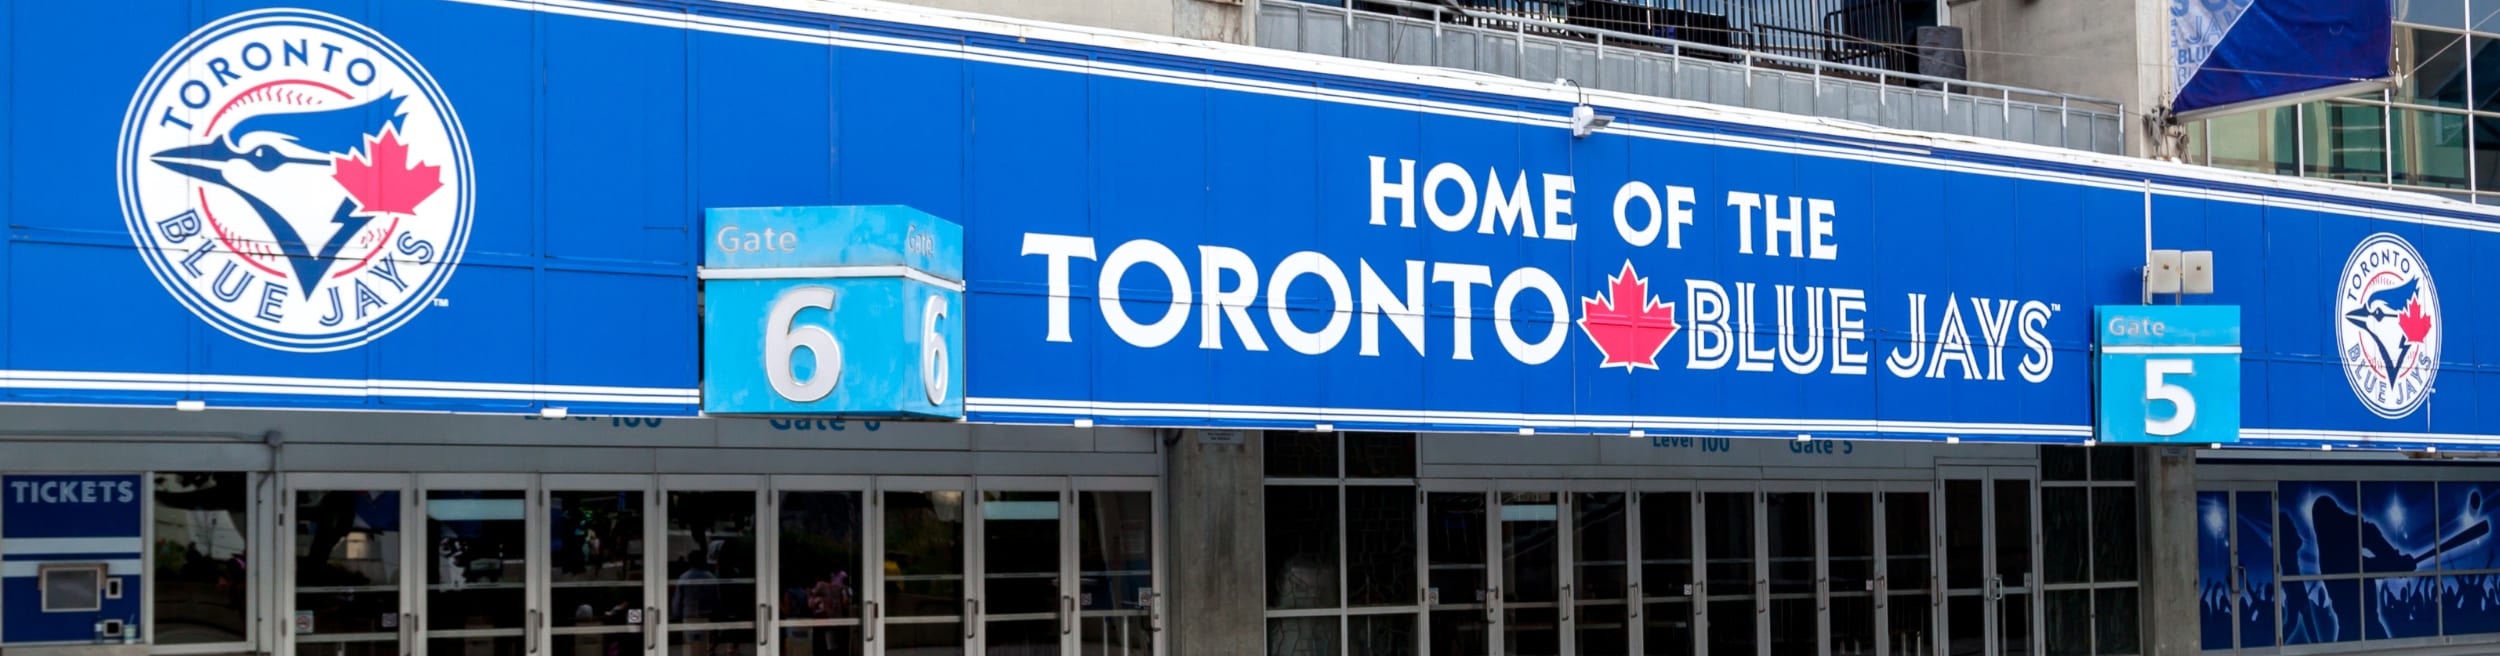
2108 49
1218 562
1212 20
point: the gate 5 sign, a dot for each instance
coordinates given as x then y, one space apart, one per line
2169 374
832 310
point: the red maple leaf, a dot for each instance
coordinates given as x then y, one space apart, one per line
1628 325
2415 324
386 182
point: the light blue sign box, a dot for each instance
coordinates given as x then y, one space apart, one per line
2204 340
851 235
883 265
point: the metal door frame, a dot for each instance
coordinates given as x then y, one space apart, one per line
1485 489
291 483
1994 590
2231 491
1883 554
534 544
1694 570
1570 564
976 572
768 567
1073 549
654 539
1701 559
967 609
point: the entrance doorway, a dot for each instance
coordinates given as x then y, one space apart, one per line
566 565
1989 537
1676 567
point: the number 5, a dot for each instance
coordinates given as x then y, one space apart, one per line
2155 389
783 341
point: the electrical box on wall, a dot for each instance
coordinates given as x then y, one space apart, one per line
70 558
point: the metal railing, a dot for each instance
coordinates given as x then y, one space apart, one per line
1352 28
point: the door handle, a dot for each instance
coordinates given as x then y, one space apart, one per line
407 624
650 628
1067 617
1636 601
1154 611
763 617
972 619
530 631
875 616
1492 600
1567 603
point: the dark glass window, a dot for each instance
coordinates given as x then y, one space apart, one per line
2113 534
2437 61
2066 534
1380 455
2064 463
2113 463
1301 547
1380 546
1301 455
202 583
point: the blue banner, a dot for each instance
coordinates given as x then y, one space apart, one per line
2230 55
504 198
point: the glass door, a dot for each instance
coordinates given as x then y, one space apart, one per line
1023 608
819 542
349 549
1793 559
479 550
1850 568
599 578
921 548
1119 606
1458 593
710 548
1731 573
1990 554
1906 588
1600 584
1532 589
1667 615
2014 503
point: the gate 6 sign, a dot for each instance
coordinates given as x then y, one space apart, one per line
832 310
2169 374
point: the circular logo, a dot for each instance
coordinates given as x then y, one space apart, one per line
2387 325
295 180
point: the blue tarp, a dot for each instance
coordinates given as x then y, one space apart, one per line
2231 53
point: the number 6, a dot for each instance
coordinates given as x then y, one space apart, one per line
934 372
2155 389
783 341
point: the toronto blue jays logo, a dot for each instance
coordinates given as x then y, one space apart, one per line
2387 325
295 180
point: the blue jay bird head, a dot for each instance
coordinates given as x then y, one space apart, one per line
281 166
268 142
2385 303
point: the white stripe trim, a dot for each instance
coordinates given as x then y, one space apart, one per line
41 546
885 271
341 387
2171 350
31 568
2366 436
1317 415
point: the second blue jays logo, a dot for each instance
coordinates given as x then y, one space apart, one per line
296 180
2387 323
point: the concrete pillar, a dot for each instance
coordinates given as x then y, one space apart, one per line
1216 571
2167 481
